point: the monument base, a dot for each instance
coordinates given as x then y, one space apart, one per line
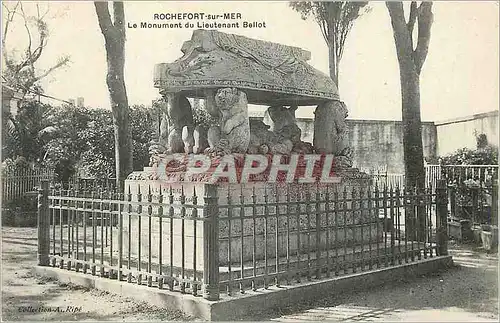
256 220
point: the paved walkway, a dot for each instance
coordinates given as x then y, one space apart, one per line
467 292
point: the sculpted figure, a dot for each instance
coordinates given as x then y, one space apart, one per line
234 126
213 136
176 128
284 123
264 141
261 139
330 131
200 139
187 139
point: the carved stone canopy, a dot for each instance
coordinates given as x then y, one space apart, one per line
269 73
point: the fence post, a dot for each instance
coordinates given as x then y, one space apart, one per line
43 224
494 202
211 244
441 218
453 201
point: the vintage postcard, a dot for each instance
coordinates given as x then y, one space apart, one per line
250 160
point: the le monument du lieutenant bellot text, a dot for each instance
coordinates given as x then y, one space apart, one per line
198 20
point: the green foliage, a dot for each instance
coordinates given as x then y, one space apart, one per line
335 20
12 166
466 156
484 154
141 125
28 132
201 117
97 158
75 139
344 12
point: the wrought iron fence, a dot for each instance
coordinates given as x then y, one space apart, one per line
475 202
453 174
388 180
91 183
234 238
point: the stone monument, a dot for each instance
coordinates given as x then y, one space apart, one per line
228 72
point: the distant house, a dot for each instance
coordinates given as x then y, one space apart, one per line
10 99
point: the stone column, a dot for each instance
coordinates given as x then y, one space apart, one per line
213 133
163 124
210 104
234 123
330 129
179 124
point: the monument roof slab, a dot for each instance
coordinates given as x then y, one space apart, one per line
269 73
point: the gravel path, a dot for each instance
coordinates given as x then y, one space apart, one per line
29 298
468 292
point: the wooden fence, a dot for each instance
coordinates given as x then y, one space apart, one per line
207 239
16 183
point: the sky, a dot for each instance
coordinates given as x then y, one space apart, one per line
460 76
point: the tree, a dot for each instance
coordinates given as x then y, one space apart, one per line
114 39
335 19
20 72
26 134
411 59
143 132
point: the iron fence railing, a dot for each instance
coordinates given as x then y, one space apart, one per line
208 239
453 174
460 173
474 202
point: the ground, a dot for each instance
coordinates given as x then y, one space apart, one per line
22 292
468 292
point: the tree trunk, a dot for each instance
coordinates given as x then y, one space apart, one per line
412 147
332 54
119 105
332 58
412 128
114 36
410 64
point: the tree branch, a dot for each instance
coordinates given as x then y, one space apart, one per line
119 17
401 35
425 19
10 17
104 18
323 26
343 36
28 50
61 63
412 19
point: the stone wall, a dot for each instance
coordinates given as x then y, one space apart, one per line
465 129
378 144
